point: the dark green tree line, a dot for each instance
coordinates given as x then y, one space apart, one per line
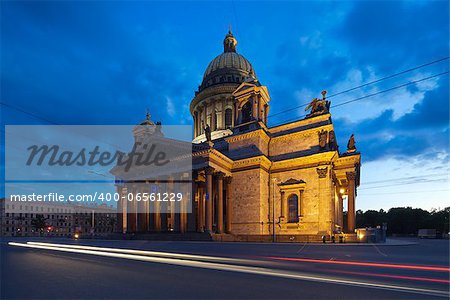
405 220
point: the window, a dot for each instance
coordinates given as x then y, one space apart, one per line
202 125
228 117
247 112
293 208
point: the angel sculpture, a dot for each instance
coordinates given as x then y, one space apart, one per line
319 106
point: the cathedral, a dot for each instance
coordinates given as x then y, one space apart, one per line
252 182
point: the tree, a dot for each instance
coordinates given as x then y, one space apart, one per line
439 220
39 223
404 220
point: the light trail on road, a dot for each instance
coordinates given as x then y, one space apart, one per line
393 276
363 264
146 252
228 267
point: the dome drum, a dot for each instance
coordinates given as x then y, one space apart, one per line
214 103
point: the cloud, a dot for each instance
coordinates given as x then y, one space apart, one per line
400 100
170 107
368 41
94 72
422 131
396 32
400 182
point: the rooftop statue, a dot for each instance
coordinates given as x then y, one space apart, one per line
332 140
323 135
318 106
208 135
351 144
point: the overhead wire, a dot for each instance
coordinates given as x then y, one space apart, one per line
366 84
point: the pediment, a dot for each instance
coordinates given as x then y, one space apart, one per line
292 181
244 87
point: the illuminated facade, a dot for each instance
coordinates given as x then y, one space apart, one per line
249 179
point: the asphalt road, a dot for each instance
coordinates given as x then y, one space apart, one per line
223 270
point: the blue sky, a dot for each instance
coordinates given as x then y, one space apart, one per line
107 62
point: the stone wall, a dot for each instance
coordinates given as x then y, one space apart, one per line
260 141
264 200
307 140
253 190
247 202
316 202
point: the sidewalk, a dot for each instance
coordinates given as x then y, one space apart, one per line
389 242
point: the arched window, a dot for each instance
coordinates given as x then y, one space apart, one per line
202 125
216 121
195 123
247 112
293 208
228 118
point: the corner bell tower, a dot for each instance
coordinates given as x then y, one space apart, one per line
252 102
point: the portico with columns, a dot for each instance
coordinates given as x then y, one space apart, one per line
213 202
